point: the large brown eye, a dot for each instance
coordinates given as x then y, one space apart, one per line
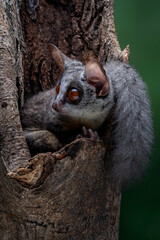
57 89
73 95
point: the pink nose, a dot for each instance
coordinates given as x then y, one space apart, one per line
57 106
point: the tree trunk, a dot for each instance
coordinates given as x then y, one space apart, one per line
68 194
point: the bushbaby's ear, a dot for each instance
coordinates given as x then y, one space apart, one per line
96 76
61 59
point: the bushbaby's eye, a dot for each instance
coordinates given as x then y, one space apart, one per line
57 89
74 95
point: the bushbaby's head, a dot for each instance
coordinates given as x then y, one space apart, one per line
83 94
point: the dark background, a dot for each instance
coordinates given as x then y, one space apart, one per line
138 24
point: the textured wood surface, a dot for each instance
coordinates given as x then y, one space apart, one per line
68 194
74 200
13 146
80 29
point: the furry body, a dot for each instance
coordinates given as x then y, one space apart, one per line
132 134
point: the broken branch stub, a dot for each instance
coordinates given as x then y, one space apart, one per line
78 201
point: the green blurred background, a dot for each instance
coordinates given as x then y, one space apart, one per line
138 24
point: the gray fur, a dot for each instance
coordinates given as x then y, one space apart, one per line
132 134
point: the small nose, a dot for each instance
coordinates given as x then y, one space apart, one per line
57 106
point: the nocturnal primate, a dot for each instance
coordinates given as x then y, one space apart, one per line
83 98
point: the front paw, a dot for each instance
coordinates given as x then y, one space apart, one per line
89 133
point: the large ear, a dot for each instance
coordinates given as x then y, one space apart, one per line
96 76
61 59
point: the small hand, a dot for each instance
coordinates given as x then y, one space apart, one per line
89 133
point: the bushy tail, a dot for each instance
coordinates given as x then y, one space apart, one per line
133 133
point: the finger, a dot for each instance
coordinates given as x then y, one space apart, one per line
84 130
91 134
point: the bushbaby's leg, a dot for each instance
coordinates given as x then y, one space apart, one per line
41 141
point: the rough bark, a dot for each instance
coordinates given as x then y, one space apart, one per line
80 29
13 147
68 194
